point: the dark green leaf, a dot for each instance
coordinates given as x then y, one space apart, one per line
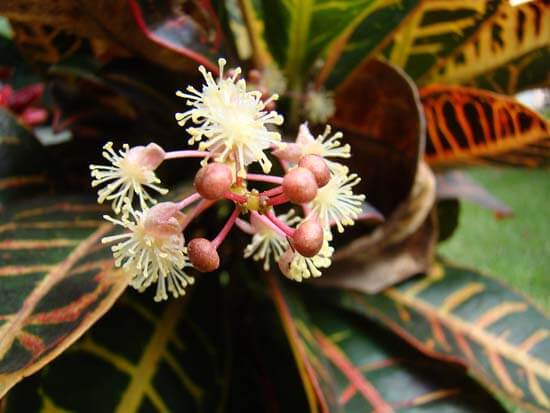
56 280
460 315
353 366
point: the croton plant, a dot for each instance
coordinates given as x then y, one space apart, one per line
272 178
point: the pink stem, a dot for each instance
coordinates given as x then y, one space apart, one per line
188 201
226 228
245 227
273 191
278 199
186 154
265 178
232 196
284 227
268 223
201 206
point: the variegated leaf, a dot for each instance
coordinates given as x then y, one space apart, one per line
529 71
349 365
460 315
141 356
298 33
56 280
22 170
511 33
176 46
466 126
434 30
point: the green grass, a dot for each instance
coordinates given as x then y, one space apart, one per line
517 249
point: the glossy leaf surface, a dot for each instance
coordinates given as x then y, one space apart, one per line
512 32
466 126
56 280
142 356
351 365
298 33
434 30
460 315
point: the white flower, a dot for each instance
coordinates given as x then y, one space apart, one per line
319 106
153 249
273 80
297 267
336 203
132 171
266 241
325 146
232 121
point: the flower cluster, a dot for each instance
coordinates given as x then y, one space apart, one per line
234 127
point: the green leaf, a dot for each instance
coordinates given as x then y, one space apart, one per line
56 280
22 169
434 30
460 315
350 365
510 39
298 33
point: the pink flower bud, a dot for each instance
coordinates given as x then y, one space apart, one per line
308 238
213 180
150 156
318 168
164 219
299 185
291 152
203 255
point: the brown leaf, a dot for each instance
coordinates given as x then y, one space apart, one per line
378 111
398 249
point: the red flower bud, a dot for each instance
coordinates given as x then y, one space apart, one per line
308 238
318 168
203 255
299 185
213 180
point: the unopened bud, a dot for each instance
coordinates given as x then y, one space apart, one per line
318 168
290 152
299 185
203 255
164 219
150 156
213 180
308 238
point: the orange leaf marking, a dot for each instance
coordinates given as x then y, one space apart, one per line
12 226
61 207
500 370
461 296
353 374
307 373
16 181
37 244
32 343
56 274
534 339
22 270
501 310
